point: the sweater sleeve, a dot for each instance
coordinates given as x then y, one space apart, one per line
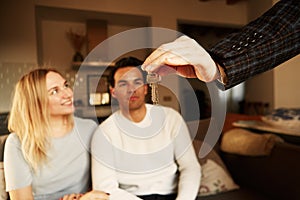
104 177
261 45
17 172
188 165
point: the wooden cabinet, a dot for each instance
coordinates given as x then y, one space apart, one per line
96 31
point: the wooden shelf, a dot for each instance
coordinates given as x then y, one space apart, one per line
93 64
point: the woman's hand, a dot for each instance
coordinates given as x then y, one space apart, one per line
185 57
71 196
92 195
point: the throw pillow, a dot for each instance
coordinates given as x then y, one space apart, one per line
247 143
215 176
284 119
215 179
213 155
3 193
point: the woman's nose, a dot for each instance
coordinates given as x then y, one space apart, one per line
67 93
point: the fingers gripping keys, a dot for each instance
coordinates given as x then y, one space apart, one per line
153 79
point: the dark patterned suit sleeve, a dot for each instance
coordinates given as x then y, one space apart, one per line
262 45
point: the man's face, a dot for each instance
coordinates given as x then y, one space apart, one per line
129 90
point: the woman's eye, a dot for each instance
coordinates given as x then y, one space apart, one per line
53 92
67 85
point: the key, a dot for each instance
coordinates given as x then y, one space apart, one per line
153 79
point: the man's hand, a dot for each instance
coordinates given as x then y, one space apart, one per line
185 57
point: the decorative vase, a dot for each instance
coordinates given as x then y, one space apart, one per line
77 41
78 57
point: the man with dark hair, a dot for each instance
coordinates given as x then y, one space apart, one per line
142 151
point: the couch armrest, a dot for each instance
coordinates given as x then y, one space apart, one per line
2 143
276 175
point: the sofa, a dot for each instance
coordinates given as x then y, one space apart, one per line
268 176
3 193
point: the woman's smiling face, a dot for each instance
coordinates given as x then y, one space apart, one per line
60 95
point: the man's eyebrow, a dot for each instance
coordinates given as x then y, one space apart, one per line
121 81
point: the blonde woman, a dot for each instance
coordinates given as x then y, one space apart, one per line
46 155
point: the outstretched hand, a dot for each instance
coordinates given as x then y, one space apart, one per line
185 57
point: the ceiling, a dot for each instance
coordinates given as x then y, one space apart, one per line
228 2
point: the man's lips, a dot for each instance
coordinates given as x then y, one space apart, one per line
133 98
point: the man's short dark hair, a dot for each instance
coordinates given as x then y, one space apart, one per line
126 62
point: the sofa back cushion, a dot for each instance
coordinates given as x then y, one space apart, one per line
215 176
3 193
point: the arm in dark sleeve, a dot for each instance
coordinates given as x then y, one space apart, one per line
261 45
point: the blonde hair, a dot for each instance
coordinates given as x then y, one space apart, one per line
29 117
